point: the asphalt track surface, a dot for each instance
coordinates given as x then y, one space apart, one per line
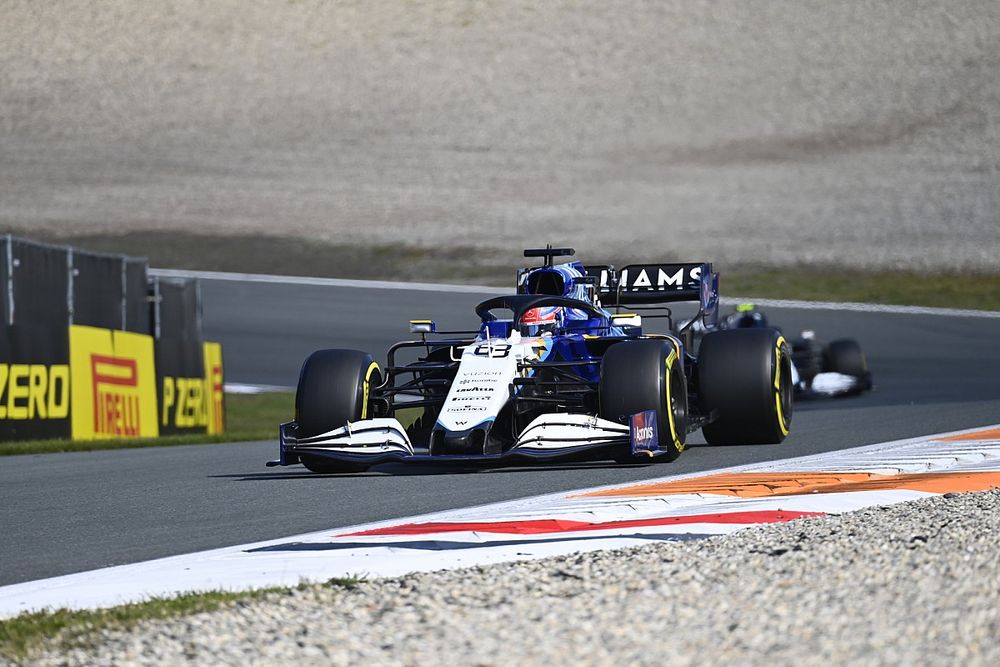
65 513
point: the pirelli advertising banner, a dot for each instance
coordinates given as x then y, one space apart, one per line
91 383
113 384
34 382
189 387
214 388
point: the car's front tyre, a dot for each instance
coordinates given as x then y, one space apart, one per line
335 387
646 375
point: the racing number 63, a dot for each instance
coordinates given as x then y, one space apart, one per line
493 351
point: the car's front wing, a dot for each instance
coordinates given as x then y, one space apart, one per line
374 441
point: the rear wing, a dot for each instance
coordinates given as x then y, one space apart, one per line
658 283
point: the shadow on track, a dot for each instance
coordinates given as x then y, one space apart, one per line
420 470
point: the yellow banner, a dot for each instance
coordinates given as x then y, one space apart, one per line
113 378
214 388
184 404
34 391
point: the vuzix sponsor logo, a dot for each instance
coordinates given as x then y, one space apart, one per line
644 437
34 391
115 391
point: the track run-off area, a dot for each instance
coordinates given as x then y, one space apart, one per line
935 371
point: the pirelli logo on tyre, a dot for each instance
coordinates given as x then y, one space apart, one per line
113 384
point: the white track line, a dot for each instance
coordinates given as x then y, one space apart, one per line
321 282
243 388
483 289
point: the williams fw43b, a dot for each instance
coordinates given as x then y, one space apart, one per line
558 370
837 368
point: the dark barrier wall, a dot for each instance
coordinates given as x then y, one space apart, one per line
179 309
98 290
34 382
138 317
45 284
40 284
68 325
5 283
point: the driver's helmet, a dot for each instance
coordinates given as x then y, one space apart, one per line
537 321
746 317
559 280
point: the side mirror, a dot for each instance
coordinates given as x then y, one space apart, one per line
422 326
626 320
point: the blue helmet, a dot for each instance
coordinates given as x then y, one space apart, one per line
559 280
746 316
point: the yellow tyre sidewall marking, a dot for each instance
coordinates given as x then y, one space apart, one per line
367 389
782 422
671 359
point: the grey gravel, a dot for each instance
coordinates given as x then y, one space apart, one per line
916 583
860 132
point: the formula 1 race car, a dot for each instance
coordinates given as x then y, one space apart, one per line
838 368
549 373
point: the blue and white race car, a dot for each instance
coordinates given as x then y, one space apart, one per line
558 370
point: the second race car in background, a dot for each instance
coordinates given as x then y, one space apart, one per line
837 368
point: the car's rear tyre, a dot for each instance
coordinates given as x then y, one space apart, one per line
335 387
845 356
646 375
808 357
745 378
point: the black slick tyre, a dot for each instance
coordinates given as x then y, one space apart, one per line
646 375
808 357
334 388
745 382
845 356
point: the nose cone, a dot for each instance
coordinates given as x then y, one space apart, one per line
469 442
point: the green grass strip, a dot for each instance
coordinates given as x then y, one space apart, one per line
65 629
965 290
